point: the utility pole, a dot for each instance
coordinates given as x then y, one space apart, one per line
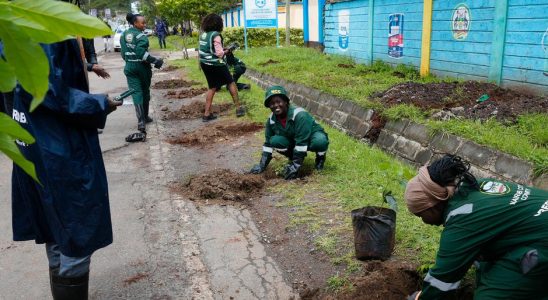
287 22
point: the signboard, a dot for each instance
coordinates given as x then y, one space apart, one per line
261 13
395 35
93 12
344 28
108 14
460 22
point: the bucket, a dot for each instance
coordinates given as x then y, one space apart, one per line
374 232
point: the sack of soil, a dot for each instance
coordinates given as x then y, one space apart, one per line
374 232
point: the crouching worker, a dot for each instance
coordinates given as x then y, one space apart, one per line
500 227
291 131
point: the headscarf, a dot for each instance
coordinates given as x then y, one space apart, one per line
422 193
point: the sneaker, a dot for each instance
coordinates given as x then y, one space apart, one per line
243 86
209 118
240 111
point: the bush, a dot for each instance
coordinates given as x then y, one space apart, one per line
261 37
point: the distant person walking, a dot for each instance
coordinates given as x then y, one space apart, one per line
213 64
161 31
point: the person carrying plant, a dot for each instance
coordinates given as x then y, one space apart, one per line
291 131
500 227
238 69
214 66
134 43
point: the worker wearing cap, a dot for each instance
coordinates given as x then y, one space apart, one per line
291 131
498 226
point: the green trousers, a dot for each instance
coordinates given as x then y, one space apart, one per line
514 277
318 142
138 78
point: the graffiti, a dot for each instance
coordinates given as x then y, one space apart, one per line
344 28
460 22
395 35
544 44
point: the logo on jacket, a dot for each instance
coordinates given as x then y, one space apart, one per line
494 188
129 37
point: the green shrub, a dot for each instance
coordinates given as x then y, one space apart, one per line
259 37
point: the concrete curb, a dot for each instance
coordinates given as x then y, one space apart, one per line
409 141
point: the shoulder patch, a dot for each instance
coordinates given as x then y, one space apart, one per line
494 188
129 37
204 35
140 35
297 111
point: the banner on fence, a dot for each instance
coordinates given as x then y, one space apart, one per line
395 35
344 28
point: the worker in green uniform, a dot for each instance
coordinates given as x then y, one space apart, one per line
238 69
291 131
134 44
500 227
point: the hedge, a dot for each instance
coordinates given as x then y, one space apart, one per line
261 37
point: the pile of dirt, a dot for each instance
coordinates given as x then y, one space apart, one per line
224 130
345 66
224 184
383 280
377 124
460 99
173 84
268 62
196 110
185 93
170 68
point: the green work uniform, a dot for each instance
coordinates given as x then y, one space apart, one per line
237 66
503 227
134 50
300 134
207 49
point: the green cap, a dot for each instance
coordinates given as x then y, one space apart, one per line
273 91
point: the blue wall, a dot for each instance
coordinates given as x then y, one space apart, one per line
524 61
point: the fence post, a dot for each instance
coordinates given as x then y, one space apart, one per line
305 22
370 28
426 37
499 39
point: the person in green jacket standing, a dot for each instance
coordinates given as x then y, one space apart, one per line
500 227
134 44
292 131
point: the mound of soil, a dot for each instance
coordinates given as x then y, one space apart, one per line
460 98
383 280
345 66
185 93
170 68
173 84
268 62
218 132
196 110
224 184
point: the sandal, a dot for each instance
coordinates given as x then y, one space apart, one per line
209 118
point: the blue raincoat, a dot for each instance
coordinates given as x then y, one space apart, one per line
71 206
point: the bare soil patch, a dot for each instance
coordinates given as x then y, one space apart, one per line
173 84
224 184
268 62
345 66
377 122
196 110
223 130
461 99
170 68
185 93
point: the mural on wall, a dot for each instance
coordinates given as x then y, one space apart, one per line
544 44
460 22
395 35
344 28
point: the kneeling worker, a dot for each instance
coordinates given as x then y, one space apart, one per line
291 131
498 226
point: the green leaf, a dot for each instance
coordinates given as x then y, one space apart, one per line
7 77
35 31
13 129
8 147
60 17
28 61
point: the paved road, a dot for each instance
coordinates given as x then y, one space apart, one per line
164 246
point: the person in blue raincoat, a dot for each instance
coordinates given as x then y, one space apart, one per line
69 209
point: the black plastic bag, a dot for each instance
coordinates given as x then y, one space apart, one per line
374 232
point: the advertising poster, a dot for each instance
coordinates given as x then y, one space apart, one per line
261 13
395 35
344 28
460 22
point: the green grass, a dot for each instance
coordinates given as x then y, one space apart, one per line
173 43
355 176
342 77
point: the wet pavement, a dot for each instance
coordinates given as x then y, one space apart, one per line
165 246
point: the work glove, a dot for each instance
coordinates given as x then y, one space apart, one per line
261 167
292 169
414 296
158 63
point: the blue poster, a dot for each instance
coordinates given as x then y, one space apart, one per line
395 35
344 28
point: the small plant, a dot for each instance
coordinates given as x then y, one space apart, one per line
338 283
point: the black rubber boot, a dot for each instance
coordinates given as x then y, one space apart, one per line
141 118
69 288
146 105
320 161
